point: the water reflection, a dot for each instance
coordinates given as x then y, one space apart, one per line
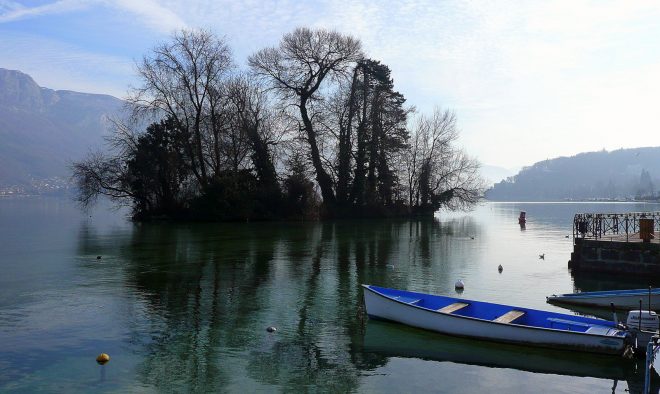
592 281
211 290
384 341
560 214
185 307
394 340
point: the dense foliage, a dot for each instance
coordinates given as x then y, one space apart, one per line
226 144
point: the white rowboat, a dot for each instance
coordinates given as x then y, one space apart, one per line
495 322
622 299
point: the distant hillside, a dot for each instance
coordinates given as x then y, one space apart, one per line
494 174
43 130
620 174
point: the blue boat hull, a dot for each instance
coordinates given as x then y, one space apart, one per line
495 322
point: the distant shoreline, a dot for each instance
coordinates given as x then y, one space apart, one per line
603 201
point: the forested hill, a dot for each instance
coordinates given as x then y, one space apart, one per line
619 174
42 131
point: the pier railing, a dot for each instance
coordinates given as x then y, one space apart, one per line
620 225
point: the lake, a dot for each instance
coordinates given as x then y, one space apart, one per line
185 307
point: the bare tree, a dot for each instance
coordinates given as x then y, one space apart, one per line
345 115
251 113
458 185
101 175
181 79
437 173
297 68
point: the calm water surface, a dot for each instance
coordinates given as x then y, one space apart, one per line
183 308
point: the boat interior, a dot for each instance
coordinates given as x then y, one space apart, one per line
504 314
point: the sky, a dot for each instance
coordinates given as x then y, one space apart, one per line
528 80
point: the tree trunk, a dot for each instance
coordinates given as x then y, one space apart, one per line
199 151
322 177
357 193
373 148
343 172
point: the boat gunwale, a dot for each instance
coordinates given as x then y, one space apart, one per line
622 338
605 294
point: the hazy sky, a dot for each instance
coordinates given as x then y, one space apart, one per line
528 80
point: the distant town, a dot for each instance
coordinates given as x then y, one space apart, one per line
48 186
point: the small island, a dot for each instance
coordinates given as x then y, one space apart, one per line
313 128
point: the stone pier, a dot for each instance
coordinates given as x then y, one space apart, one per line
616 243
615 256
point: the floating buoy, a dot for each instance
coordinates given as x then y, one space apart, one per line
459 284
472 237
271 329
499 268
98 257
102 358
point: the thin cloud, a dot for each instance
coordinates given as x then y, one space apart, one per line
9 6
12 11
155 16
62 66
149 12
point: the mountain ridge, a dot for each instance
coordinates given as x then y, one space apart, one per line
43 130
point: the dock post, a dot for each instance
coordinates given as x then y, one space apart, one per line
650 357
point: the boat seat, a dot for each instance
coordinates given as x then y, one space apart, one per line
451 308
601 330
509 317
407 300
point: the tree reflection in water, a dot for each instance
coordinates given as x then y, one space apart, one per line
210 290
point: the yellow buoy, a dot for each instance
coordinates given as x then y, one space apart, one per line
102 358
